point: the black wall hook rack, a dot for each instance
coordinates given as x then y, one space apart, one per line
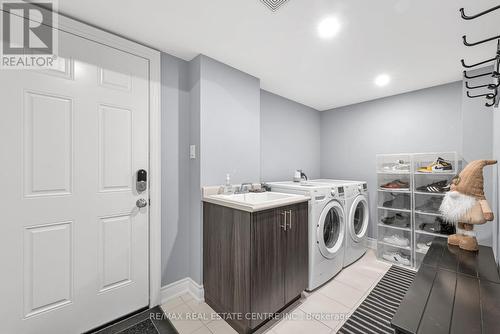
493 97
471 17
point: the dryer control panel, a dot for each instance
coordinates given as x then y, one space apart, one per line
338 192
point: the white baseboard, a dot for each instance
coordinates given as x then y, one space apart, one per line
371 243
180 287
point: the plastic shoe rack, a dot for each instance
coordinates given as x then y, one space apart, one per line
409 213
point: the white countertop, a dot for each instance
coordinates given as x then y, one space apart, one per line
252 202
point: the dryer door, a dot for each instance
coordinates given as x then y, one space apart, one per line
359 218
330 230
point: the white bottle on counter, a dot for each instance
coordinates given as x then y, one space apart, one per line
228 188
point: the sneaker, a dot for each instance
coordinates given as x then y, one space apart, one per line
424 246
398 166
436 187
428 227
399 201
397 240
439 166
395 257
432 205
398 220
396 184
445 227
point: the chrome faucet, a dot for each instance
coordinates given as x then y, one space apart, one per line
245 187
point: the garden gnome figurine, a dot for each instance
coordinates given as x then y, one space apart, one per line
466 206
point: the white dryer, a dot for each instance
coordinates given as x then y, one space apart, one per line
357 217
326 228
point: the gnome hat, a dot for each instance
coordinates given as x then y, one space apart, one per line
471 181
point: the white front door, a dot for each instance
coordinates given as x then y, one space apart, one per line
73 243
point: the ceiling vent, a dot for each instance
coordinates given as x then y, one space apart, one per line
274 5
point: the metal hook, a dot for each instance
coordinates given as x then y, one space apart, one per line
493 97
489 96
464 38
474 65
489 86
466 17
490 104
476 76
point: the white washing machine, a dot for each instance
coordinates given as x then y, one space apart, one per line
326 228
357 217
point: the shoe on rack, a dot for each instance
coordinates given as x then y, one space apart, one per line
445 227
398 220
424 246
436 187
396 184
396 257
397 240
439 166
428 227
399 201
398 166
431 205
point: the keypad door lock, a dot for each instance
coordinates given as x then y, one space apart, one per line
142 181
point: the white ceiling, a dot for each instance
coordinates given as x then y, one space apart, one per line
417 42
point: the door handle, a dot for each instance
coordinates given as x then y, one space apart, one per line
283 213
289 219
141 202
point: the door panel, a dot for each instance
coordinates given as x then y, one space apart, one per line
266 282
73 242
115 252
47 246
296 251
48 144
115 145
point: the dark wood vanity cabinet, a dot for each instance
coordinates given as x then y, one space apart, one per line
254 264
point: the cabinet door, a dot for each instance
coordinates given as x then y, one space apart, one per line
296 245
267 277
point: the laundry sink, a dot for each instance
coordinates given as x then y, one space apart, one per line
255 198
255 201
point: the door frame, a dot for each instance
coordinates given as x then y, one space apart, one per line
84 30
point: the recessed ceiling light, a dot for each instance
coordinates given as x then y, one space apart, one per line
328 27
382 80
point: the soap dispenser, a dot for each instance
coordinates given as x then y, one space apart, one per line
228 188
297 177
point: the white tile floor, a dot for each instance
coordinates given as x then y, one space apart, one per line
323 311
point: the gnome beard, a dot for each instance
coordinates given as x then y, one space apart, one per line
454 208
456 205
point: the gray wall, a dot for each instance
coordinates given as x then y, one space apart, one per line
290 138
427 120
175 169
230 124
225 127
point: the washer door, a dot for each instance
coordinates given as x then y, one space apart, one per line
330 230
358 218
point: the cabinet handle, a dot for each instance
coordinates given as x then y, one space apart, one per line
283 213
290 219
